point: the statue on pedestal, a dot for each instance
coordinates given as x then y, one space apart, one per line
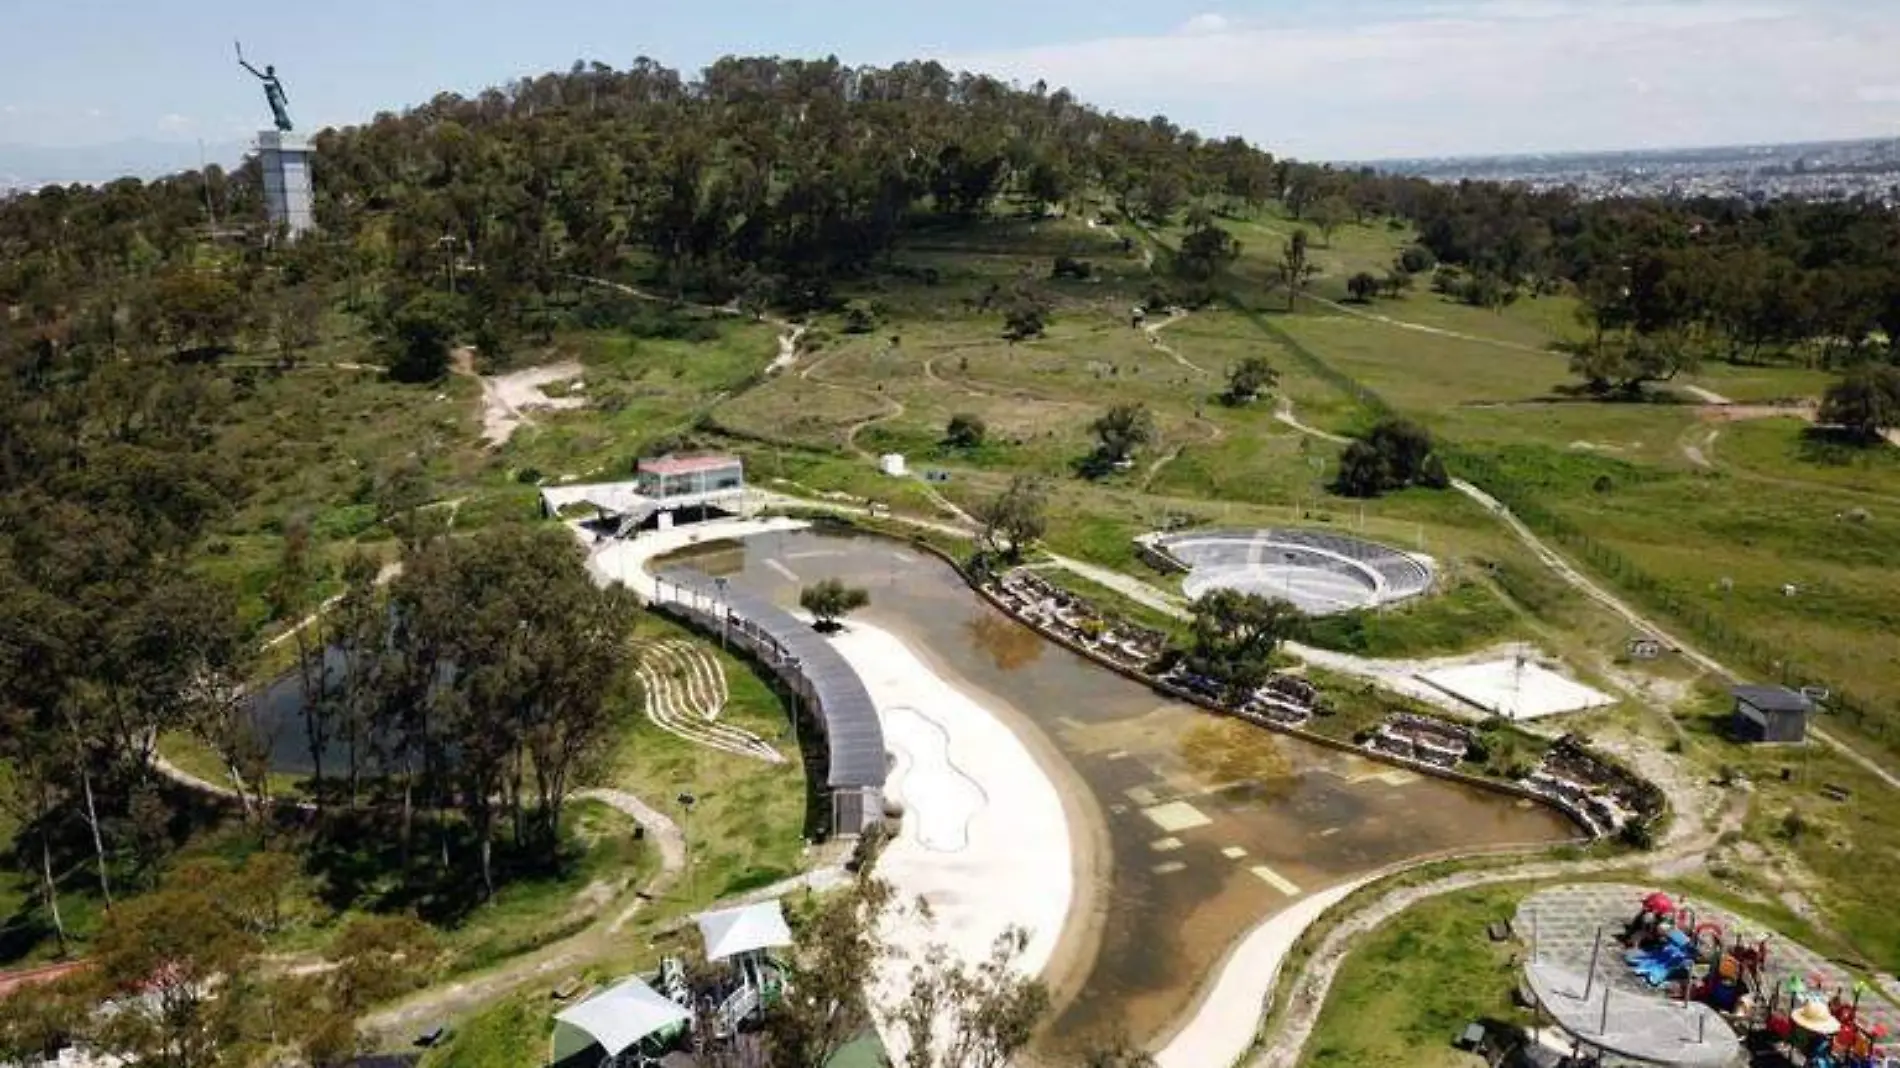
273 91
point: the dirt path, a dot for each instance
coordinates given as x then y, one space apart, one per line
790 333
1696 443
1153 330
1706 396
1421 328
1284 413
1556 562
553 962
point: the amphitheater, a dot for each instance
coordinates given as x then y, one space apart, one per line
1320 572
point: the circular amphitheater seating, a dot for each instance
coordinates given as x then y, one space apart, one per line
1363 573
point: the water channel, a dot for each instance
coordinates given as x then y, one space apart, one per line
1199 855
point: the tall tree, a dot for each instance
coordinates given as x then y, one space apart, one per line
1295 269
1121 431
1016 518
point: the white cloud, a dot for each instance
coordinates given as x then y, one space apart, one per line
175 123
1208 23
95 113
1500 75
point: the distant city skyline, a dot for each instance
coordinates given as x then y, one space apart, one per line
1342 80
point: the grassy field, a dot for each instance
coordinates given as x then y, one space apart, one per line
750 819
1408 990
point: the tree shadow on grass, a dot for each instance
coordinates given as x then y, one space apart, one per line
1833 446
359 862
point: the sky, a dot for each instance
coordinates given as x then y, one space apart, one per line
1317 79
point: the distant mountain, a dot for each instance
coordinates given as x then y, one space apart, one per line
32 166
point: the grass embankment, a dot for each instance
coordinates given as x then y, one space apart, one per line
749 820
1407 990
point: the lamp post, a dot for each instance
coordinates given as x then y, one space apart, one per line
687 801
725 612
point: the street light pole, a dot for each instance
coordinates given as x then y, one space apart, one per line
687 801
725 611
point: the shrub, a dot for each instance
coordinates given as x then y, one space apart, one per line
965 431
859 317
1069 267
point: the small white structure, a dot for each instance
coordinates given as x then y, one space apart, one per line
746 929
1517 689
892 464
617 1018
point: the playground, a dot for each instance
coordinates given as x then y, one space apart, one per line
681 1015
1621 974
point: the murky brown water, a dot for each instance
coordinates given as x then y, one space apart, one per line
1214 825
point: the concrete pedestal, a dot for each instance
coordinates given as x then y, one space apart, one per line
286 164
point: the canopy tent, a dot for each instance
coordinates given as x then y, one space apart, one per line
616 1018
730 932
1641 1027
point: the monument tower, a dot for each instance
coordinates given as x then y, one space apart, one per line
284 157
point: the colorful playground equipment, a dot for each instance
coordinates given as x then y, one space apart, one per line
1729 971
1825 1027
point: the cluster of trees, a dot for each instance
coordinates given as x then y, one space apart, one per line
1665 283
475 687
1396 453
952 1014
184 972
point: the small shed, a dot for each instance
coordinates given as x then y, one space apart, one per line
1770 714
892 463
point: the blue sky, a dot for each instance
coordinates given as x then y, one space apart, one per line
1349 79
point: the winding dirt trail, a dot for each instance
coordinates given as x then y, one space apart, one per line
1561 565
1153 330
1421 328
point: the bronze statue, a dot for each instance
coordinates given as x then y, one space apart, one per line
273 90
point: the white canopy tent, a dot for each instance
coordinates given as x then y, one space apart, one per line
747 929
616 1018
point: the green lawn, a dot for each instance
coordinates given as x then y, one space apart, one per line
1407 990
1462 614
749 821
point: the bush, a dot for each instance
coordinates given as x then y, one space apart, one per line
1023 321
1068 267
1363 286
859 317
1417 259
965 431
1396 454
